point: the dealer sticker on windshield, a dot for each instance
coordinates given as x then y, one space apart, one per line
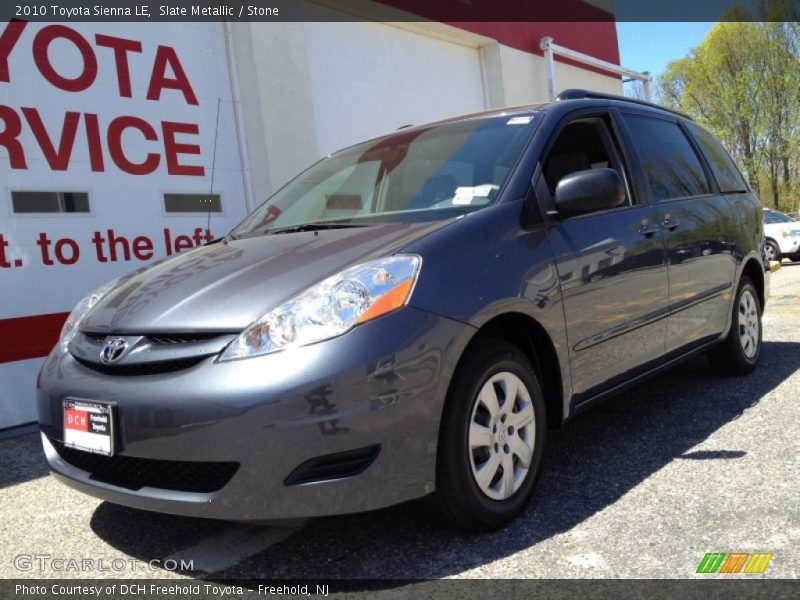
89 426
519 120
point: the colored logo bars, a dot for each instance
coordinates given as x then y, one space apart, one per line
734 562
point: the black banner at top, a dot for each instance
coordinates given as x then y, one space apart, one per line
449 11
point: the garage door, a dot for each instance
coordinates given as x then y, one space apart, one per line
370 78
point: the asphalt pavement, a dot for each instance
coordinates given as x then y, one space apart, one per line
641 486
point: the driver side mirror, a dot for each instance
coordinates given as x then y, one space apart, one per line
590 190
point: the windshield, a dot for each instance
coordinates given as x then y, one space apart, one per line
773 216
422 174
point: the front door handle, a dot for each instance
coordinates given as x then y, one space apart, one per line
648 229
669 223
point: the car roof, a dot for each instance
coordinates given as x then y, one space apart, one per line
573 98
568 100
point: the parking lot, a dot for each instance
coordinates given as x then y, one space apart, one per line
641 486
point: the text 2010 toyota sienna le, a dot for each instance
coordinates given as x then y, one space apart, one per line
409 316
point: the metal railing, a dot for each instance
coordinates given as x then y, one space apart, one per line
552 49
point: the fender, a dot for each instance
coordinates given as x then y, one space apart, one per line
497 269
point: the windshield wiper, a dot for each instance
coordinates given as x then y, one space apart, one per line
322 225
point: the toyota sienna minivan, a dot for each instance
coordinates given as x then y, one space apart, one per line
409 316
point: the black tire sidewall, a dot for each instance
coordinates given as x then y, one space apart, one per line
476 371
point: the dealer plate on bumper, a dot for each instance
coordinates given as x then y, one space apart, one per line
89 426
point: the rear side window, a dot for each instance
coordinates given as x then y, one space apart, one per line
672 168
725 172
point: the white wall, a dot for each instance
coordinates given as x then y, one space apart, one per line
308 89
368 79
275 94
525 81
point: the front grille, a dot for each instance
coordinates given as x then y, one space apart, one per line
135 473
151 368
162 339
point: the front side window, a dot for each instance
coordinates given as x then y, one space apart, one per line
585 143
672 168
427 173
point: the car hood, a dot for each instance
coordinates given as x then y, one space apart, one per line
227 286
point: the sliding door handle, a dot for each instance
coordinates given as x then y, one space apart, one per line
670 224
648 229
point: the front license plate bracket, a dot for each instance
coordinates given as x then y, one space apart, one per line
89 425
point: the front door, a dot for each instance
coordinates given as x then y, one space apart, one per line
611 265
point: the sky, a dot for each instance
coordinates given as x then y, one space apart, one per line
650 46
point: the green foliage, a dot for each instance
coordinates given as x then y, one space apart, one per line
743 83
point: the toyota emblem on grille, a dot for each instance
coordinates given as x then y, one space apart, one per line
113 350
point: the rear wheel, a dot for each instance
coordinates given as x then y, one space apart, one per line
739 352
491 439
772 251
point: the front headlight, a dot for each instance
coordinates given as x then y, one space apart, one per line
76 316
331 307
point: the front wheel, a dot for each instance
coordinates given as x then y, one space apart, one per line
491 438
739 352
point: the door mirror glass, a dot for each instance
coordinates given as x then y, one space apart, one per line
590 190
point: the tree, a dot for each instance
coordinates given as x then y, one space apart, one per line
743 83
717 83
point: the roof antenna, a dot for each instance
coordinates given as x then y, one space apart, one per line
213 165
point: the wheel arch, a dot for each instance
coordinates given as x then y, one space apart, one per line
532 339
754 270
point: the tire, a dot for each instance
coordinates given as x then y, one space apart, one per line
739 352
772 251
462 499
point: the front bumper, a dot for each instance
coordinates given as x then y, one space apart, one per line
381 384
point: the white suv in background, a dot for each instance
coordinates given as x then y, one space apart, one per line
783 236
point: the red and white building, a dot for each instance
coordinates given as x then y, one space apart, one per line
112 134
